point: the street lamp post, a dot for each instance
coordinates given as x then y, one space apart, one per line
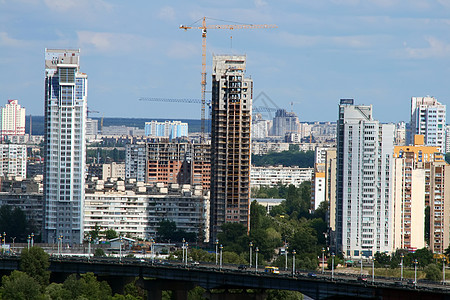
323 264
152 249
250 246
185 261
286 253
13 238
293 262
256 259
443 270
182 247
361 266
89 247
216 242
415 272
332 266
401 266
373 269
221 247
120 249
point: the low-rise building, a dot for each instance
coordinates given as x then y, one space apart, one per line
136 209
261 148
26 194
273 175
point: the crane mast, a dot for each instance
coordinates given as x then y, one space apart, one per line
204 28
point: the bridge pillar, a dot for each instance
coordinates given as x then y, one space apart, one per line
155 287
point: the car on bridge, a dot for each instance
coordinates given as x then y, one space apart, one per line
242 267
271 270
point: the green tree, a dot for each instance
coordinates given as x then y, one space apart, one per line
234 237
88 287
284 295
424 257
20 286
132 289
337 261
382 259
99 252
14 223
433 272
196 293
35 263
95 233
110 234
229 257
56 291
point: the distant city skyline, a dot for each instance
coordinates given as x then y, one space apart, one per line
378 52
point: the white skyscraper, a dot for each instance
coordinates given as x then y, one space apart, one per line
12 119
65 154
428 117
364 175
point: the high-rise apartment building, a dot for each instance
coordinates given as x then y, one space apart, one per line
330 195
439 206
363 195
12 119
428 118
285 122
232 96
13 160
169 129
421 180
65 146
135 161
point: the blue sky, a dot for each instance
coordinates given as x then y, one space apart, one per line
379 52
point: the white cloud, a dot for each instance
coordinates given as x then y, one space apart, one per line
260 3
113 43
436 49
167 13
302 41
6 40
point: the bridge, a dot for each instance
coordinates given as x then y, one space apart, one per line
181 278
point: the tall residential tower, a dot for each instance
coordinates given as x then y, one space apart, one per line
364 174
230 142
428 118
65 125
12 119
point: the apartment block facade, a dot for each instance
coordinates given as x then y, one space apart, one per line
364 173
12 119
428 118
65 146
136 208
13 160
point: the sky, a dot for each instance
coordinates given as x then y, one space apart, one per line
380 52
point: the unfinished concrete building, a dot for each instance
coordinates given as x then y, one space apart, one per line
182 163
230 142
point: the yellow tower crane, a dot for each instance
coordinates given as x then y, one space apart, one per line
204 27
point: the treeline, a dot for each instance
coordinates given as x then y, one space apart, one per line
289 223
289 158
